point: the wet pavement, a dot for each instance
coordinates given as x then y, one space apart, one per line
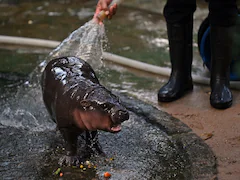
151 145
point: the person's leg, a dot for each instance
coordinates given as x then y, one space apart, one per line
179 17
222 16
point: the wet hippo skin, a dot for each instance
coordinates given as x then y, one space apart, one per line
78 103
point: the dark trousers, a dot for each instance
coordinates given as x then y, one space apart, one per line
221 12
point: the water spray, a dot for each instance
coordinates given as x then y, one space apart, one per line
102 14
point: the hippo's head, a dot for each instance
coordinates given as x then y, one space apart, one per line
103 100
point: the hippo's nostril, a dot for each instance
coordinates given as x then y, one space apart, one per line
123 115
120 116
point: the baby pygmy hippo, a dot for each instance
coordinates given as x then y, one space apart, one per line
77 102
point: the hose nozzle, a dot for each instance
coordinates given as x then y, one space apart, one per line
101 15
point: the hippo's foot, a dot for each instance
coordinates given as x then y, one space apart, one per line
67 160
95 148
92 151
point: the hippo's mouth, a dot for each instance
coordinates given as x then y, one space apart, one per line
116 128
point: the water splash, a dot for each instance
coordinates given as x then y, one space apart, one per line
85 43
24 119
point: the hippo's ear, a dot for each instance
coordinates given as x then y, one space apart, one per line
85 103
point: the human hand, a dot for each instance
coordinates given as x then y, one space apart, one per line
108 11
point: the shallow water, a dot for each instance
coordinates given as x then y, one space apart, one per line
137 31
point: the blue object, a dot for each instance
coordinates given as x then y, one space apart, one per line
205 52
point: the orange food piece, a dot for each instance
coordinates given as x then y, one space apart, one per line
61 174
107 175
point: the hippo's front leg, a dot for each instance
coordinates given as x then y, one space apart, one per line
70 137
92 142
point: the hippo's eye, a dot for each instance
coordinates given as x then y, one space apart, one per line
106 106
